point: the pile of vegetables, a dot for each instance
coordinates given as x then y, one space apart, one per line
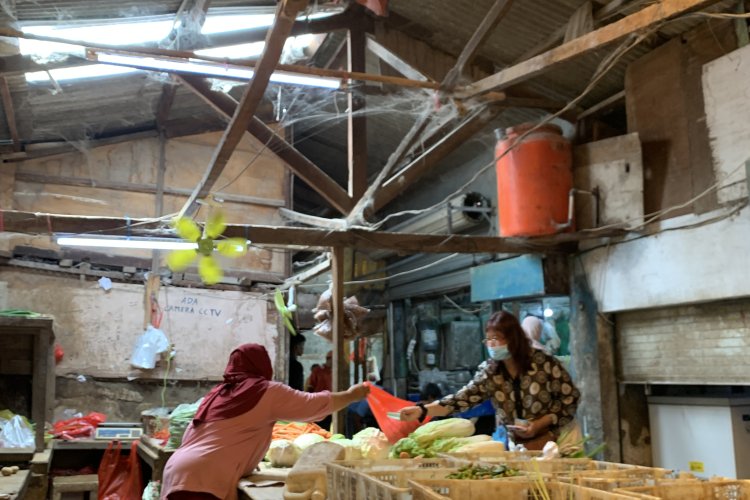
293 430
444 436
472 471
369 443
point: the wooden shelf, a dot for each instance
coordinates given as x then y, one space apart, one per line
34 357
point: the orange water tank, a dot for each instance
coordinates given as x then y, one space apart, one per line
534 179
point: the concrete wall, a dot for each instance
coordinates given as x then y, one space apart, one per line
703 262
257 180
98 329
727 108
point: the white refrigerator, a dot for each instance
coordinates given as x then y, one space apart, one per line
708 436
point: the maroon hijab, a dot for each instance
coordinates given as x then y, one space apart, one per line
246 379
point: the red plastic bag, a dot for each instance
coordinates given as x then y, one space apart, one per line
380 404
120 475
78 427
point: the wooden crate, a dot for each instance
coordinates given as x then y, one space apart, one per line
344 477
506 489
692 490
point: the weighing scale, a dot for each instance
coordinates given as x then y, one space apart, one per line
118 430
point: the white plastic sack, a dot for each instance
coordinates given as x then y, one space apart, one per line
16 433
148 347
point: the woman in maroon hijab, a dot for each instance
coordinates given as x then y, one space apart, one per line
232 428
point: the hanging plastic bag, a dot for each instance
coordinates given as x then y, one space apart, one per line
381 403
120 475
16 432
148 347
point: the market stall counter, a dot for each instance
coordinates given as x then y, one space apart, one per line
14 486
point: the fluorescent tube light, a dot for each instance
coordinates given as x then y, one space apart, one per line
207 68
125 242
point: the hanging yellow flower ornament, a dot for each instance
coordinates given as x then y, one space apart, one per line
208 267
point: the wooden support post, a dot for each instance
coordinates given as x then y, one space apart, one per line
286 13
340 363
10 114
357 122
643 19
605 334
7 185
159 202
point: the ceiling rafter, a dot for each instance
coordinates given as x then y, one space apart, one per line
187 24
643 19
15 64
395 61
375 198
286 13
498 10
294 237
297 162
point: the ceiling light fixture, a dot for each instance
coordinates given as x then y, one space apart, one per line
126 242
205 68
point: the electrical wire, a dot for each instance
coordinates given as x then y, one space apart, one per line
607 65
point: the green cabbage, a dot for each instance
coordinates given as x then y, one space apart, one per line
448 428
307 440
282 453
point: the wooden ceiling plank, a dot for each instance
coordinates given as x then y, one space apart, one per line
411 173
286 12
10 114
498 10
609 10
643 19
42 223
297 162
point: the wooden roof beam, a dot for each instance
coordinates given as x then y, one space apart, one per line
395 61
42 223
495 14
286 12
643 19
411 173
303 168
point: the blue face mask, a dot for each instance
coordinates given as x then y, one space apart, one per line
498 353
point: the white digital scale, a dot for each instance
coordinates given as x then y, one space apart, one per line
118 430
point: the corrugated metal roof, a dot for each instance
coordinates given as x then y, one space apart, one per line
90 108
66 10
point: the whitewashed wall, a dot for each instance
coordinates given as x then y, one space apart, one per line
98 329
699 264
727 100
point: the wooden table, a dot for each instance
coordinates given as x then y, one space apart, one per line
266 474
15 485
155 455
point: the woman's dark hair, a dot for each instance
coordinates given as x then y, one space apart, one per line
295 340
518 342
430 391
